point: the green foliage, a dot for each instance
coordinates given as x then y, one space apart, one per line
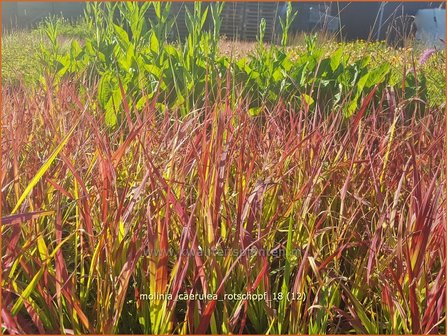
130 55
127 52
20 62
286 24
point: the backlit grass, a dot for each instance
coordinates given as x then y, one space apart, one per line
356 212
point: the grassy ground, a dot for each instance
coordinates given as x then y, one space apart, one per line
21 61
19 57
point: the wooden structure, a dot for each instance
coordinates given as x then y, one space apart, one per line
241 20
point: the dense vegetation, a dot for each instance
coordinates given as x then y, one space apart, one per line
135 165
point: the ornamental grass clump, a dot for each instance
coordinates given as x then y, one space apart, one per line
132 55
338 225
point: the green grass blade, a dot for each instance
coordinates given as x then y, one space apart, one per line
27 292
44 168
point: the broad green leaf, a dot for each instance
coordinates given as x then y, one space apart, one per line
179 101
154 70
336 58
112 107
122 36
308 99
154 43
378 75
277 75
254 74
254 111
287 64
104 89
141 103
351 107
75 49
361 83
170 50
